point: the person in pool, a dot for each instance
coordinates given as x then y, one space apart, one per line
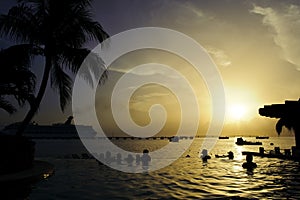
230 155
249 164
145 158
204 155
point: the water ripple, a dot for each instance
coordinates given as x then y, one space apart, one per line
187 178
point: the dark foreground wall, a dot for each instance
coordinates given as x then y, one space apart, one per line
16 153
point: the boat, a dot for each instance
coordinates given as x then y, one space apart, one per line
223 137
262 137
240 141
55 131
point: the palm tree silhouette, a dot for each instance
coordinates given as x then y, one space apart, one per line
16 79
58 31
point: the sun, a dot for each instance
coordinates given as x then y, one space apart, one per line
236 112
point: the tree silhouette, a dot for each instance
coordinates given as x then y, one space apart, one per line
291 123
58 30
16 79
288 114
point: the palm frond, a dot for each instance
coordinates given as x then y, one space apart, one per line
92 29
81 3
74 26
18 55
16 78
74 58
19 24
15 64
5 105
63 83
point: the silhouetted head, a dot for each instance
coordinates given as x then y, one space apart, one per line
69 120
230 155
249 158
145 151
108 154
204 152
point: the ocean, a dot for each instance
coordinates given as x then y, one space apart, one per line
186 178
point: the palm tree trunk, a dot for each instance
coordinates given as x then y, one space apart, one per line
34 107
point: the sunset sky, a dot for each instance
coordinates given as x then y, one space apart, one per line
255 45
